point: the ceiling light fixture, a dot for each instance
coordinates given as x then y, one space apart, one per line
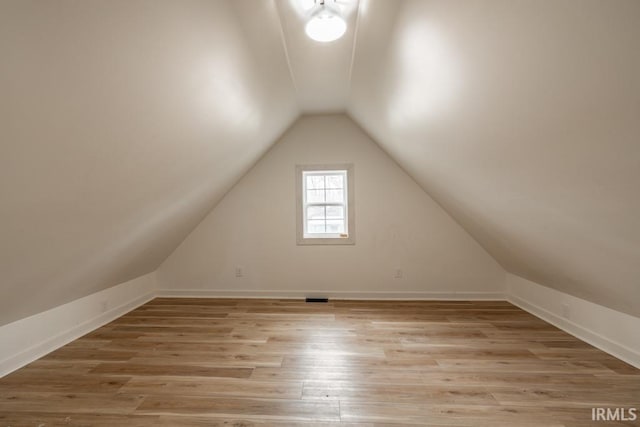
325 23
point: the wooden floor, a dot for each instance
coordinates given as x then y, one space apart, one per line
208 362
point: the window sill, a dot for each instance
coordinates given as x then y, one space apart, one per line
310 241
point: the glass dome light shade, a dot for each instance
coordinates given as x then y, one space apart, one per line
326 27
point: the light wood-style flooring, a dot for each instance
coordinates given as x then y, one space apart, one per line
233 362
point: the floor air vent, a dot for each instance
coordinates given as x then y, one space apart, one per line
316 300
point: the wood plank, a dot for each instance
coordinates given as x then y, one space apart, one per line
250 408
46 419
397 393
170 370
199 386
22 401
46 381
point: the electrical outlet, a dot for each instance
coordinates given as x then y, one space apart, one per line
239 272
398 274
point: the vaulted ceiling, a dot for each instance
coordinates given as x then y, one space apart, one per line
522 119
123 123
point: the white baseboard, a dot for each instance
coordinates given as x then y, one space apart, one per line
28 339
290 294
609 330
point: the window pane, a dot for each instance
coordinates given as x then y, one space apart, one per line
315 182
335 226
315 226
315 196
315 212
335 196
335 181
335 212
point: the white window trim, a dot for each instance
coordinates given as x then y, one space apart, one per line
351 226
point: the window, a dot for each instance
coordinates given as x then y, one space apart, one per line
325 208
325 204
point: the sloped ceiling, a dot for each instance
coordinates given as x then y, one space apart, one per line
123 123
321 71
522 119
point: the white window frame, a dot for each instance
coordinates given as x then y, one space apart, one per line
318 239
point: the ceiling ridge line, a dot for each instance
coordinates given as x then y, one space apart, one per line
353 47
283 38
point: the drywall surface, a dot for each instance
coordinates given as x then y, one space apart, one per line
522 119
121 124
398 227
320 70
28 339
607 329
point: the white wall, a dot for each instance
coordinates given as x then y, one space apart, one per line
521 119
615 332
28 339
121 125
398 227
